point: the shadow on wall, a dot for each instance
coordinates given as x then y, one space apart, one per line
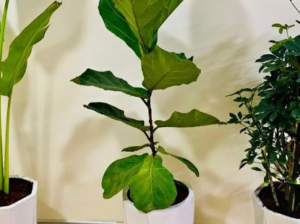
222 45
34 141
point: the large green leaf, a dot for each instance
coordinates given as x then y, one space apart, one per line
194 118
137 22
14 67
119 173
163 70
106 80
116 114
156 190
189 164
117 24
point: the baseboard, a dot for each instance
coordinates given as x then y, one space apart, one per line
51 221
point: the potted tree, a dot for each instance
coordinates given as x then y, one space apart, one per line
17 194
271 118
151 195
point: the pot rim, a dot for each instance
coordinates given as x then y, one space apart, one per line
188 198
256 198
33 193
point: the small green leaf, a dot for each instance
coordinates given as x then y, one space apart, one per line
292 46
266 57
266 181
194 118
119 173
14 67
116 114
107 81
189 164
156 190
256 169
293 182
162 70
135 148
296 114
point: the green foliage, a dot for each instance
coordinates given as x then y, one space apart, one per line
107 81
194 118
137 23
189 164
156 190
116 114
270 115
162 70
119 173
13 69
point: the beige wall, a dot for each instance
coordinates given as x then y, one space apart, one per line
67 148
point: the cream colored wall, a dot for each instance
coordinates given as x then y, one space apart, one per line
67 148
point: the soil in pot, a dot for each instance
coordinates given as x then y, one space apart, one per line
266 198
19 189
182 193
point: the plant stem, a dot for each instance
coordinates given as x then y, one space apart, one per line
6 160
3 25
152 130
295 6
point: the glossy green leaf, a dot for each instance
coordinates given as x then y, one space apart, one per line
116 114
135 148
14 67
137 22
194 118
162 70
119 173
107 81
156 190
189 164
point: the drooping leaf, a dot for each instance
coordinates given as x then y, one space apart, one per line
14 67
137 22
194 118
107 81
162 70
189 164
157 190
116 114
135 148
119 173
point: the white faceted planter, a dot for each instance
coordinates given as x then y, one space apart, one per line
182 213
23 211
265 216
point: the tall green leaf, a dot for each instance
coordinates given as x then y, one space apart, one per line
137 22
107 81
162 70
194 118
116 114
156 190
14 67
119 173
188 163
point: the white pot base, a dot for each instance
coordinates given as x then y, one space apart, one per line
266 216
183 213
23 211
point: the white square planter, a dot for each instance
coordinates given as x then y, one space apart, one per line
23 211
266 216
182 213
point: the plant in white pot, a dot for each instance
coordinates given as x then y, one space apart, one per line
17 194
271 118
152 189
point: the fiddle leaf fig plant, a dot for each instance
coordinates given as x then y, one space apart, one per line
13 69
151 185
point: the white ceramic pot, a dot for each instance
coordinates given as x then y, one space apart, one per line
266 216
23 211
182 213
